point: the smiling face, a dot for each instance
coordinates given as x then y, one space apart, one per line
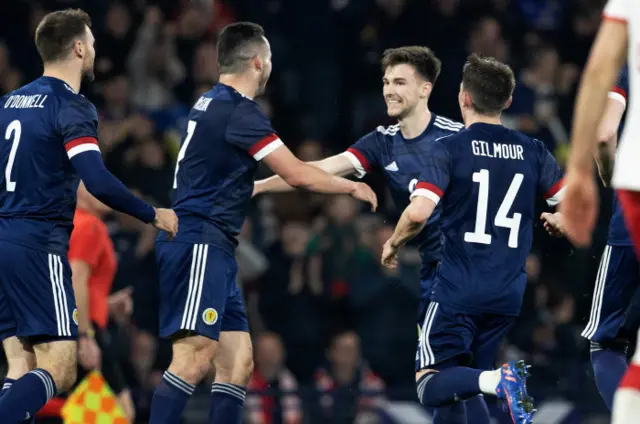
404 90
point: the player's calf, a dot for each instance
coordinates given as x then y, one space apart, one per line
192 358
56 373
234 365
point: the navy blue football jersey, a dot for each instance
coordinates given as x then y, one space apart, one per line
618 234
487 178
225 137
43 124
402 160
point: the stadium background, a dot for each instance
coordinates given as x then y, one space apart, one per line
332 328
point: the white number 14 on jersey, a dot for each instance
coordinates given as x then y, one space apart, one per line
479 234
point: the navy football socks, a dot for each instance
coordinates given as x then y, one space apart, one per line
448 386
608 368
451 414
227 401
170 399
477 410
26 396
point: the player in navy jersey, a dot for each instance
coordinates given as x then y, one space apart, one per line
50 142
487 178
400 152
614 310
201 307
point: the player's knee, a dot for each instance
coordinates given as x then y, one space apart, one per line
235 368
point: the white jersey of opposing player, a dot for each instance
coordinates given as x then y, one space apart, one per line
626 174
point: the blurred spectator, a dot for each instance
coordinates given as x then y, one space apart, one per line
10 77
153 65
270 376
115 43
349 386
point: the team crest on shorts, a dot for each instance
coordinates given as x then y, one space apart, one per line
75 316
210 316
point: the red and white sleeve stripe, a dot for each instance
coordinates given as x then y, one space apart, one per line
619 94
264 147
81 145
359 162
427 190
555 194
617 10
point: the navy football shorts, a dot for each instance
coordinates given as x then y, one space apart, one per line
198 290
615 309
36 294
446 334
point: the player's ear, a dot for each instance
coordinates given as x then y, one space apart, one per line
79 48
506 106
258 62
427 87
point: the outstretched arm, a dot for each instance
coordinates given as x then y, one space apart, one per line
299 174
411 222
338 165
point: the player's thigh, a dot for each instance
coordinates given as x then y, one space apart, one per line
445 337
490 333
59 358
616 282
195 280
39 290
8 326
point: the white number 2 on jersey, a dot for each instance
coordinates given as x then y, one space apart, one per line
479 234
191 127
13 130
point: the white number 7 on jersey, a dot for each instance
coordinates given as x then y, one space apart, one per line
191 127
479 234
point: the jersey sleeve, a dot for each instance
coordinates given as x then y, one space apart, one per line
77 122
551 184
621 89
363 153
617 10
435 176
250 130
84 244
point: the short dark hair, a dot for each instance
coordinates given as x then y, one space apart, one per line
421 58
489 82
236 45
57 32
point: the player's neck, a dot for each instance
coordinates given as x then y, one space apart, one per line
414 124
241 84
62 72
475 118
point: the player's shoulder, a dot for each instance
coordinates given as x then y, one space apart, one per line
446 126
228 99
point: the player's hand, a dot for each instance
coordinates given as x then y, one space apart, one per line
579 207
167 220
389 255
553 223
363 192
89 356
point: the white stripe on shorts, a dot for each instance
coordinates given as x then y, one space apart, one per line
196 277
65 309
59 298
598 292
427 353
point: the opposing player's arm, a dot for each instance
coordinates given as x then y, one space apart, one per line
608 128
605 60
355 160
424 199
78 122
338 165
